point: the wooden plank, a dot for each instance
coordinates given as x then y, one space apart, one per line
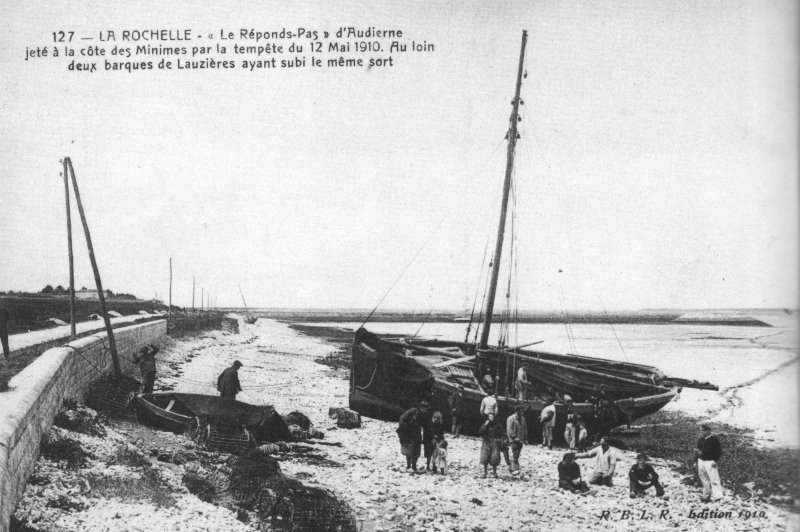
170 405
454 361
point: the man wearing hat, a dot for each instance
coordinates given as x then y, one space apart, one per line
708 452
643 477
228 382
456 402
517 432
146 358
548 420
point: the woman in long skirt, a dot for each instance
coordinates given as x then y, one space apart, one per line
492 433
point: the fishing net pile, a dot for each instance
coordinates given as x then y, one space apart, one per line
252 486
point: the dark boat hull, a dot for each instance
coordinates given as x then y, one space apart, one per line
177 411
388 377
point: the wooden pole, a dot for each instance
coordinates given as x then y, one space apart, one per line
169 310
202 296
192 293
111 342
498 251
71 264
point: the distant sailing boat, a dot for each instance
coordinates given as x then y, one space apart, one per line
390 375
249 318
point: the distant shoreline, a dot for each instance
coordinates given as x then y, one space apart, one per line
739 319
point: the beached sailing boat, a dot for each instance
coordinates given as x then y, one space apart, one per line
390 375
249 318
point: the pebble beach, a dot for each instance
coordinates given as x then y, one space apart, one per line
280 368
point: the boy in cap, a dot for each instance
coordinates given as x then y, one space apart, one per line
643 477
569 475
517 432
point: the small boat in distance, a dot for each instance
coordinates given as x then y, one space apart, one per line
249 318
390 375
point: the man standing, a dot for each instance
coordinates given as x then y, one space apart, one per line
489 405
708 452
410 424
643 477
228 381
517 432
4 318
548 420
523 385
605 462
570 430
146 358
456 402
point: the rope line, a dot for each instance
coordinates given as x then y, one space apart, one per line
404 269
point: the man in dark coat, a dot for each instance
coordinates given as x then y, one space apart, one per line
408 431
456 402
228 382
146 358
643 477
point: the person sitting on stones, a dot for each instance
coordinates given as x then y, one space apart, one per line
569 475
644 477
605 462
228 381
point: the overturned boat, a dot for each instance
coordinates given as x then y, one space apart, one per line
390 375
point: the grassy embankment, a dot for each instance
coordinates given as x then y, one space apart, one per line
746 468
30 313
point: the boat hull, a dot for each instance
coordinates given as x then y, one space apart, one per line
177 411
388 377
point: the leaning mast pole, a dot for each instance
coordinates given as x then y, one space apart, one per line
498 251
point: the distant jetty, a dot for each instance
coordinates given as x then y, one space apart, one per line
740 318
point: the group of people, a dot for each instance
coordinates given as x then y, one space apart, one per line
419 429
227 383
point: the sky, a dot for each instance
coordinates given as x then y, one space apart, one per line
657 164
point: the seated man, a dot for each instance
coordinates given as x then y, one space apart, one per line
605 462
643 477
569 475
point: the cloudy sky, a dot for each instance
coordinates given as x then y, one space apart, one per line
657 165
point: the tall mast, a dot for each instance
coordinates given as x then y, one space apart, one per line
243 301
498 250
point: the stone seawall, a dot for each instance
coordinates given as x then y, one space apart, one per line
36 393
